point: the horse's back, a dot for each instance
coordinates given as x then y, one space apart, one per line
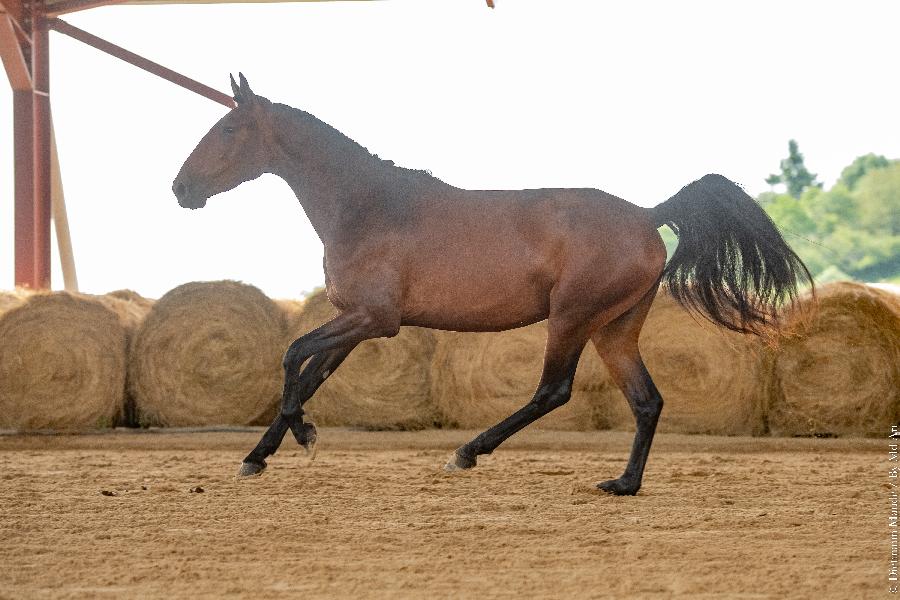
489 260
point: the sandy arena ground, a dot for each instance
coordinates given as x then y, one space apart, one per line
375 517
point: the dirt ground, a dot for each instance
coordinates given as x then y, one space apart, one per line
375 517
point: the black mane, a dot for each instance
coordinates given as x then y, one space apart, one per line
353 148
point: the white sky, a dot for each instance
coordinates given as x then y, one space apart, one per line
635 98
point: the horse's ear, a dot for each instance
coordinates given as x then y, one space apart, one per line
235 90
246 93
242 93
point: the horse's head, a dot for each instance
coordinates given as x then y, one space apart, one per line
235 150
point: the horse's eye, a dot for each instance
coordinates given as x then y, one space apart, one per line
228 129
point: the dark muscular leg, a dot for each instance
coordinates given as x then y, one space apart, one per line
617 344
563 350
328 346
297 390
646 404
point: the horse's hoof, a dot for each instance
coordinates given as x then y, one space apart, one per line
619 487
459 462
312 448
308 438
251 469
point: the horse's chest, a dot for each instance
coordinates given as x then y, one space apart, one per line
359 278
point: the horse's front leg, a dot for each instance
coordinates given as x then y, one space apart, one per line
328 346
297 390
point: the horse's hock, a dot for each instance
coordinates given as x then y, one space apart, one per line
479 379
383 384
711 380
838 370
208 353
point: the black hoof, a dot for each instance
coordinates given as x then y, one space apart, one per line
251 469
619 487
460 461
305 434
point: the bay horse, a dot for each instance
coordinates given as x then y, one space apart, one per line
404 248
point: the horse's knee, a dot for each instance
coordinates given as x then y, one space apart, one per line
291 411
293 357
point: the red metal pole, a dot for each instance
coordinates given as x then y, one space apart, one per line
23 157
23 145
42 166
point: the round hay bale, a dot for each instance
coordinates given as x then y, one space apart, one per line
62 363
291 314
708 376
383 384
479 379
839 373
132 309
9 299
208 353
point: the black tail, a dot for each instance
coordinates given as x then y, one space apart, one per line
731 265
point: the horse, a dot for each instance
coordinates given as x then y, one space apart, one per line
403 248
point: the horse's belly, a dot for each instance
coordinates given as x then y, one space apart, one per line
477 305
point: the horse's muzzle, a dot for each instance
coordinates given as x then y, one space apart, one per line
185 198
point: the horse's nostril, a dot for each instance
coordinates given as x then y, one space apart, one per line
179 190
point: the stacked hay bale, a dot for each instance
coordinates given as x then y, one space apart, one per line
62 362
479 379
709 377
208 353
383 384
837 372
12 298
132 309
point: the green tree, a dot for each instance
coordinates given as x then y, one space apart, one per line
833 209
791 216
794 173
877 197
859 167
842 232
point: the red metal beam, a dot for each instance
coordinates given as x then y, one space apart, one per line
141 62
13 58
70 6
17 10
40 64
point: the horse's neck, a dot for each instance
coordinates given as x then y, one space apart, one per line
325 169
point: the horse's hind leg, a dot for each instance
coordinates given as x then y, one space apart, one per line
297 390
564 345
617 344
